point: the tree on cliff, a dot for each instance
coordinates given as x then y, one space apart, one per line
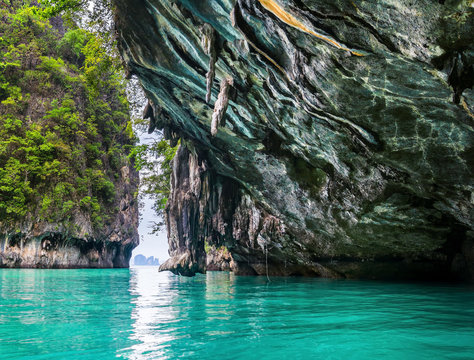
153 160
65 128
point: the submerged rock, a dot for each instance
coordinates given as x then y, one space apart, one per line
348 144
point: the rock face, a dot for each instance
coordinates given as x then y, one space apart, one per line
67 186
346 147
142 260
139 260
42 244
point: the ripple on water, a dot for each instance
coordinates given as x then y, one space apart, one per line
141 314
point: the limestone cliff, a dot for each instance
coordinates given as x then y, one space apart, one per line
76 242
330 138
67 187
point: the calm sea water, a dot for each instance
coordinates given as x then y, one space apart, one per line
142 314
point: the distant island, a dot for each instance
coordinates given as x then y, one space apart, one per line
142 260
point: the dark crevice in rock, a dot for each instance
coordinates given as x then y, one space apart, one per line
460 70
461 76
184 56
272 143
242 26
347 17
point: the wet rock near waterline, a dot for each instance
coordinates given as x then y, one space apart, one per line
75 244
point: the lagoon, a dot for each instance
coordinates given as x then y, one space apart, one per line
141 314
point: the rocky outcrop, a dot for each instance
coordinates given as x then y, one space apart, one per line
142 260
67 184
346 145
76 244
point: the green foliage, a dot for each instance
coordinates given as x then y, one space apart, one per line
207 247
211 248
154 160
53 8
64 118
57 70
72 44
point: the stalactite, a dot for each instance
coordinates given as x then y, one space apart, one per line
149 113
208 42
174 139
167 133
128 73
221 104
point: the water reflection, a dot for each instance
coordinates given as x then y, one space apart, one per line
219 294
142 315
169 311
206 316
152 300
58 314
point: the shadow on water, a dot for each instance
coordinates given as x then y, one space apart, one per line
222 315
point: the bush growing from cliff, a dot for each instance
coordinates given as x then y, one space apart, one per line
154 161
64 117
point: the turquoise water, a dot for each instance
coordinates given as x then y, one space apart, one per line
141 314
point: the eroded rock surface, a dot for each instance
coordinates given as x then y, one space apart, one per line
43 244
346 149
